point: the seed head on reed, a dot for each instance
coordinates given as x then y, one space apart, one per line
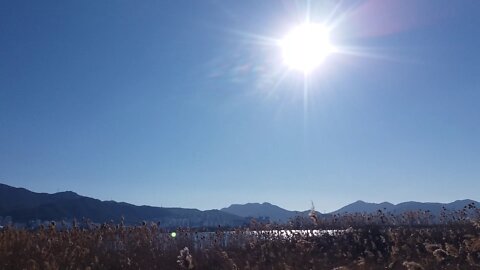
432 247
313 214
440 254
413 266
185 260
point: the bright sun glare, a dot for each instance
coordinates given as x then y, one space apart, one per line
306 46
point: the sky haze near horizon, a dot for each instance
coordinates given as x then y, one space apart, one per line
188 103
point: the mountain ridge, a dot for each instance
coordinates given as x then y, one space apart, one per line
433 207
23 205
358 206
261 210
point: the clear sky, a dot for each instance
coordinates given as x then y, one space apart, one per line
189 104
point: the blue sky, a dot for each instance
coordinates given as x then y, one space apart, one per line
186 103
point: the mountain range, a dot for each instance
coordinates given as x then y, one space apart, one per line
433 207
262 211
22 206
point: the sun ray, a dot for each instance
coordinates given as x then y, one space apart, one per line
279 80
253 38
306 85
369 53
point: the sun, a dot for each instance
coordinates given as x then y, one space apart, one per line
306 46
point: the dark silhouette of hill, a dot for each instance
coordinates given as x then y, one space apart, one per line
12 198
364 207
433 207
264 210
23 206
278 214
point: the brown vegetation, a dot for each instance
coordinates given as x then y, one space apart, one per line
357 242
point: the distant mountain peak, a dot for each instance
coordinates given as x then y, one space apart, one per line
68 193
262 210
24 206
435 208
364 202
